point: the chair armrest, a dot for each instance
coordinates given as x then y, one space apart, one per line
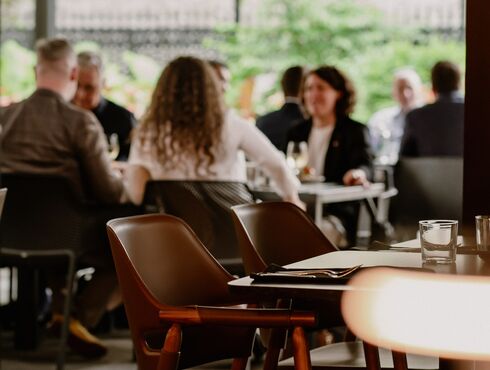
265 318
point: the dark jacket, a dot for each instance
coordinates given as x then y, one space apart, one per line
275 125
349 147
435 129
116 120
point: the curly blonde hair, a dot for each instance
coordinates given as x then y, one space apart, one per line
186 114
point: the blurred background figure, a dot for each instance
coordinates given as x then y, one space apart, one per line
116 120
188 134
387 125
275 125
223 73
338 147
437 129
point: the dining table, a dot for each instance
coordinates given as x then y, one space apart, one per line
405 256
320 193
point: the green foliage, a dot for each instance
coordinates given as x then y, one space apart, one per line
373 71
343 33
17 70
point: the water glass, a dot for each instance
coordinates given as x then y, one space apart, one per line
297 156
113 146
438 240
482 233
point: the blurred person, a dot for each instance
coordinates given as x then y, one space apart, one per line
275 125
387 125
437 129
114 118
222 72
338 147
188 134
45 134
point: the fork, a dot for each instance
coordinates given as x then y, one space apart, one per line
327 272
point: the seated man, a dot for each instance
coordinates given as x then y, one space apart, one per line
386 126
275 125
437 129
45 134
114 118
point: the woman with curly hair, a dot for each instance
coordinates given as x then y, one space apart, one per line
338 147
188 134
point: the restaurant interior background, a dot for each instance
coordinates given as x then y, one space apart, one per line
258 39
368 38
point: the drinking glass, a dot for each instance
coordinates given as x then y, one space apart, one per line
482 224
297 156
438 240
113 145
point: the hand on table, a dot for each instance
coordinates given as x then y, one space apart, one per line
355 177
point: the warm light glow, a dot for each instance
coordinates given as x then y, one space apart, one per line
421 313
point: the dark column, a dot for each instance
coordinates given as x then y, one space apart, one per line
476 184
45 19
237 11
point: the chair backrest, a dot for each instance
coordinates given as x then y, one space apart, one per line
205 207
428 188
160 263
277 232
41 212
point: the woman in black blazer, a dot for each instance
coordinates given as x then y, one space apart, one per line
338 147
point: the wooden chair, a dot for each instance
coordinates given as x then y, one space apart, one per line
281 233
45 225
276 232
177 299
205 207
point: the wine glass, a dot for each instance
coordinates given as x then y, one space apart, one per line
297 156
113 145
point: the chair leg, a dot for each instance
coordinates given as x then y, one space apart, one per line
372 356
302 359
399 360
60 361
170 354
239 363
277 340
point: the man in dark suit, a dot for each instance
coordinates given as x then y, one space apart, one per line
114 118
275 125
437 129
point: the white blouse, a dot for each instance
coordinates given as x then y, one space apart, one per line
237 136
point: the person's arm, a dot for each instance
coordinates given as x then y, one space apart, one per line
135 177
361 169
260 150
91 146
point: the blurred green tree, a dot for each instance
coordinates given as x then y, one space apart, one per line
348 34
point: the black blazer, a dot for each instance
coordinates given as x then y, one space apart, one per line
116 120
275 125
349 147
435 129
